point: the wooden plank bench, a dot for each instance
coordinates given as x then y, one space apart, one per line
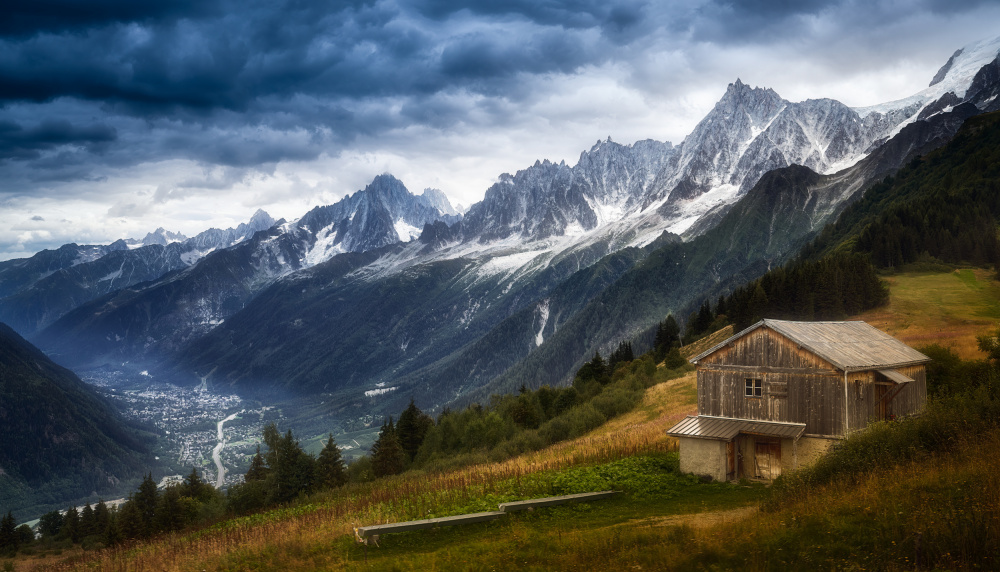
553 501
370 534
374 531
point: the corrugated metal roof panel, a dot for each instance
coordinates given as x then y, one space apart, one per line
896 376
725 429
847 345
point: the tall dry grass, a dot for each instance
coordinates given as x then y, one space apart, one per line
307 534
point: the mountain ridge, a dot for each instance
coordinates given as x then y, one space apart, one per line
495 271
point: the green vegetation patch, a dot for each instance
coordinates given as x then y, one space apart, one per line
641 477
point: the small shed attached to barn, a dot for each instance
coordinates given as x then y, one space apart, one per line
778 394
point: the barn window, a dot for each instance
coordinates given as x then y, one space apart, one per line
859 389
754 388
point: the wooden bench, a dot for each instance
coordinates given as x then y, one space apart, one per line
370 534
553 501
363 533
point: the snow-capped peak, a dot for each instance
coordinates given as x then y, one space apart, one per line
954 77
163 237
260 221
437 199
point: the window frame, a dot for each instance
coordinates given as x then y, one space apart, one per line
753 387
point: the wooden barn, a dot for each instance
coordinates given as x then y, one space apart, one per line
778 394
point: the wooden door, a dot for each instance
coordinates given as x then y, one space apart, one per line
767 459
730 461
881 403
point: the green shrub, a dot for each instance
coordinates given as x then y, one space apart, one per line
945 423
616 400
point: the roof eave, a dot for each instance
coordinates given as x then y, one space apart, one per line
852 369
725 342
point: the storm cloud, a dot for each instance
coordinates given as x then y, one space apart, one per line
101 101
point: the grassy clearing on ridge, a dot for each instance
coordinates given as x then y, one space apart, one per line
949 308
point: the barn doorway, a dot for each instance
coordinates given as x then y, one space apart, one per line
754 457
767 458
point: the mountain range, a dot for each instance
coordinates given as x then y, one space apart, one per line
387 295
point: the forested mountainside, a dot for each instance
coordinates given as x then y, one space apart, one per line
940 208
61 441
768 227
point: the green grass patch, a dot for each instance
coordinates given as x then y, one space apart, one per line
652 488
948 308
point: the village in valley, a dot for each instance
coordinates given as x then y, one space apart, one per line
187 419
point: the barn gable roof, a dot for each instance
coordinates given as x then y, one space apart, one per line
847 345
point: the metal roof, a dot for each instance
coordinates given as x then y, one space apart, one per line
847 345
725 428
896 376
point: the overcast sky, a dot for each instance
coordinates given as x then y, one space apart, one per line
118 116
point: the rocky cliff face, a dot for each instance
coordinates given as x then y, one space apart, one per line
160 316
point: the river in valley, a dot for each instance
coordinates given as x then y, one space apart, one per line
221 480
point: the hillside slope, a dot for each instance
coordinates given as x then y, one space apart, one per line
61 441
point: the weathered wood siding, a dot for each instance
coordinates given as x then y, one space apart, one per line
764 347
798 386
864 390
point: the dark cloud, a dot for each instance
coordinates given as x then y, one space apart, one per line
322 67
491 57
29 17
153 62
16 142
753 20
570 13
37 218
190 78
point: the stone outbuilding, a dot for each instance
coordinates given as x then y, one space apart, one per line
778 394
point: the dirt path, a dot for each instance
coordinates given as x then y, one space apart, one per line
699 519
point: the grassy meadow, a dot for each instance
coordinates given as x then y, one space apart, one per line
920 493
949 307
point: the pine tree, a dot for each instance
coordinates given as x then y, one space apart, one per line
170 512
758 304
102 519
112 534
50 524
388 457
71 525
25 536
621 355
720 307
193 486
88 524
129 524
595 369
258 469
667 336
8 534
291 469
705 318
146 500
330 468
674 359
412 428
